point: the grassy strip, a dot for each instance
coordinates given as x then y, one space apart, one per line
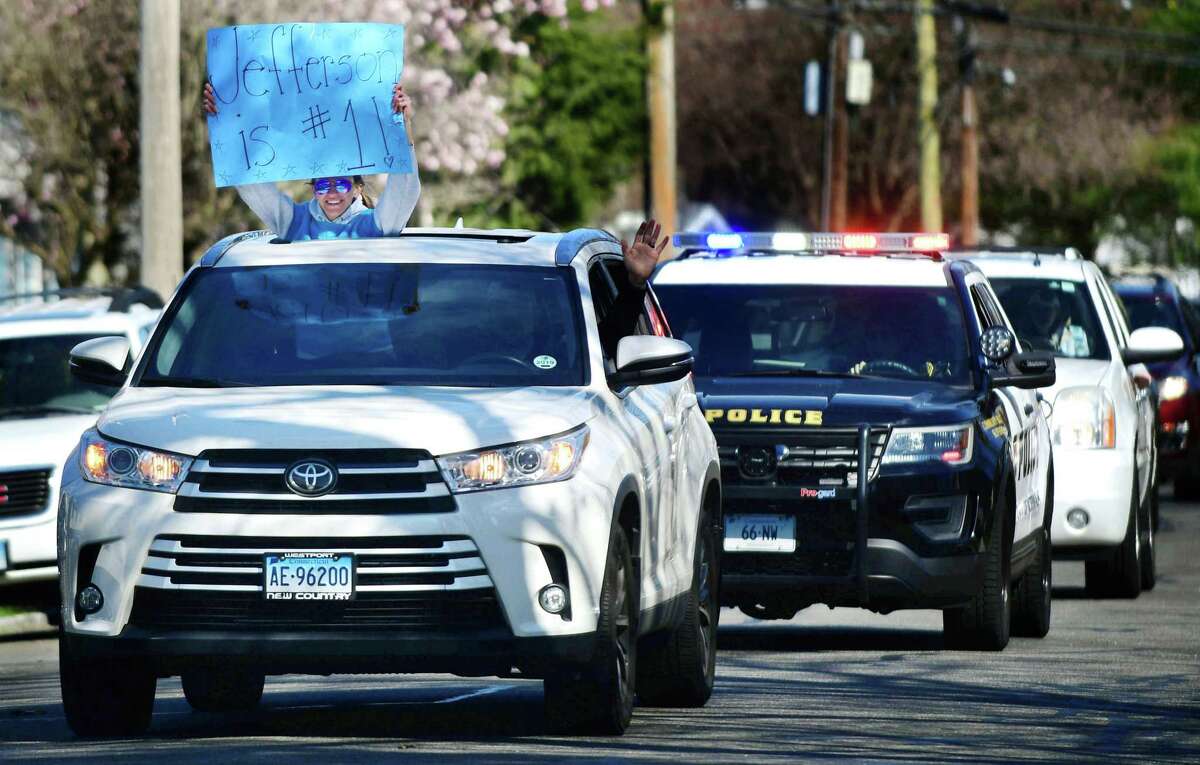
12 610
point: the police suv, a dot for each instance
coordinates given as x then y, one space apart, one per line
881 443
423 453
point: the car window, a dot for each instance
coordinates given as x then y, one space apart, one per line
35 377
1151 310
895 332
1053 315
372 324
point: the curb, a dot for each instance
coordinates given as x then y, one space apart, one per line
22 624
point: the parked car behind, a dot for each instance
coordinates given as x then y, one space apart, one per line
43 410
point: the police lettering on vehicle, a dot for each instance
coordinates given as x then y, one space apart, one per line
806 417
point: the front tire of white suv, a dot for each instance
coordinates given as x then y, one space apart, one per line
597 697
223 690
105 698
676 668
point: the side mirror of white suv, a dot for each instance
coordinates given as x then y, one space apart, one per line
102 361
1153 344
649 359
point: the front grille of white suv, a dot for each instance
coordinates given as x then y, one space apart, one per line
426 583
369 481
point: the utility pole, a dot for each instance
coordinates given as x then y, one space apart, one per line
833 23
839 180
930 173
970 135
161 154
660 96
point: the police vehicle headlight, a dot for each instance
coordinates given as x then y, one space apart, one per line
555 458
133 467
1172 388
1084 418
950 445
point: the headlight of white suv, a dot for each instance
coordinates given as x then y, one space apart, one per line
1084 418
134 467
951 445
543 460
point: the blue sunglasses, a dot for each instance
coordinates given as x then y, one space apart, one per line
323 186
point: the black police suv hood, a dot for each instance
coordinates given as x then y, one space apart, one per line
832 402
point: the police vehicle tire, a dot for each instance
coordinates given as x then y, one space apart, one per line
1031 615
105 698
216 689
676 667
1149 524
1120 576
985 623
597 697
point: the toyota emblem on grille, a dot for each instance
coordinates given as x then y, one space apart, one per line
756 462
311 478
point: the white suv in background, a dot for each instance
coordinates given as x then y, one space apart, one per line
1102 420
43 410
449 451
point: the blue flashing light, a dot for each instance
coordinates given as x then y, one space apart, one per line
724 241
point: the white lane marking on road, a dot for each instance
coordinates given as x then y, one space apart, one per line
481 692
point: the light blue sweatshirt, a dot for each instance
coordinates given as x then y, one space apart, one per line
298 221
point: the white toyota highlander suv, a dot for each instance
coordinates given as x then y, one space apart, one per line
450 451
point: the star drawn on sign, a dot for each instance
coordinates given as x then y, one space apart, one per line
218 145
342 167
254 33
216 42
225 178
289 170
357 33
324 32
260 174
392 32
316 167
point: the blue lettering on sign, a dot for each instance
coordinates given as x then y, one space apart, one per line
297 97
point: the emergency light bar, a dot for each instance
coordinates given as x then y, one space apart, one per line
818 242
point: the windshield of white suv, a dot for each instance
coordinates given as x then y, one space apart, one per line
909 333
371 324
36 381
1053 315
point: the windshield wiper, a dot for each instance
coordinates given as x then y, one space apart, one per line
191 382
16 411
788 373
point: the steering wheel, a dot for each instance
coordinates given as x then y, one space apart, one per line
480 357
887 365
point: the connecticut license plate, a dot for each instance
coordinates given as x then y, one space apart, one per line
308 576
760 533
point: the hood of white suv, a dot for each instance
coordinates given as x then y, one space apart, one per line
41 441
439 420
1072 372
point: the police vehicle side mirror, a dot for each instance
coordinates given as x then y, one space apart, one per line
1150 344
997 344
101 361
1032 369
649 359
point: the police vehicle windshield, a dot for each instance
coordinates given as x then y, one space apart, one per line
1053 315
371 324
911 333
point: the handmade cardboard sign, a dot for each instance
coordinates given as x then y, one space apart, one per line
298 101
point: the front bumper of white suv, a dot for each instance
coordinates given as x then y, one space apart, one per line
445 582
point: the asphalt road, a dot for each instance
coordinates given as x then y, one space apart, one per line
1114 680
